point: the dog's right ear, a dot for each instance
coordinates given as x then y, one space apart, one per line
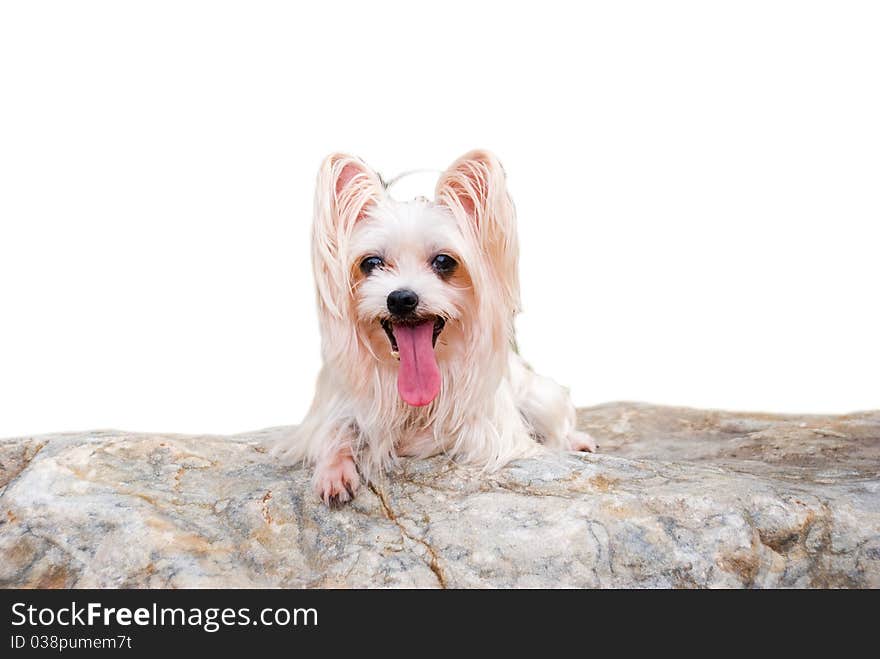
350 185
347 188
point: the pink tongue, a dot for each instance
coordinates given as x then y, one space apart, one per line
418 378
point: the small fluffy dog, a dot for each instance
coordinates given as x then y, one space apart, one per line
416 303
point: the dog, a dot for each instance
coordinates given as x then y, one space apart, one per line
416 302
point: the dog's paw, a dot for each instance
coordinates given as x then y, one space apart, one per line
336 482
581 441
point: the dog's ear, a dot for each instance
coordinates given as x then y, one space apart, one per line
347 188
475 190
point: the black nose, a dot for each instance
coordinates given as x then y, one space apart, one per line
402 302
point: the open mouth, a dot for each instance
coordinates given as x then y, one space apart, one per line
412 342
439 324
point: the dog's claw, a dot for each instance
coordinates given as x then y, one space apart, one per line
581 441
337 481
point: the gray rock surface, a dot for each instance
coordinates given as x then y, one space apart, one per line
676 498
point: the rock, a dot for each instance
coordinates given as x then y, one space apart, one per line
675 498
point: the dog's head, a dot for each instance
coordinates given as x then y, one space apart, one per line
426 288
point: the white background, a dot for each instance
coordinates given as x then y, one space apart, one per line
697 187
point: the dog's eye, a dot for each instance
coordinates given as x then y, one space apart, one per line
444 264
371 263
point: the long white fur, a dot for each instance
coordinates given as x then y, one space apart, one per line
491 407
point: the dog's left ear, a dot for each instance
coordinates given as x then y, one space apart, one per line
474 188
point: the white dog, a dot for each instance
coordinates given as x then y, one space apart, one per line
416 303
